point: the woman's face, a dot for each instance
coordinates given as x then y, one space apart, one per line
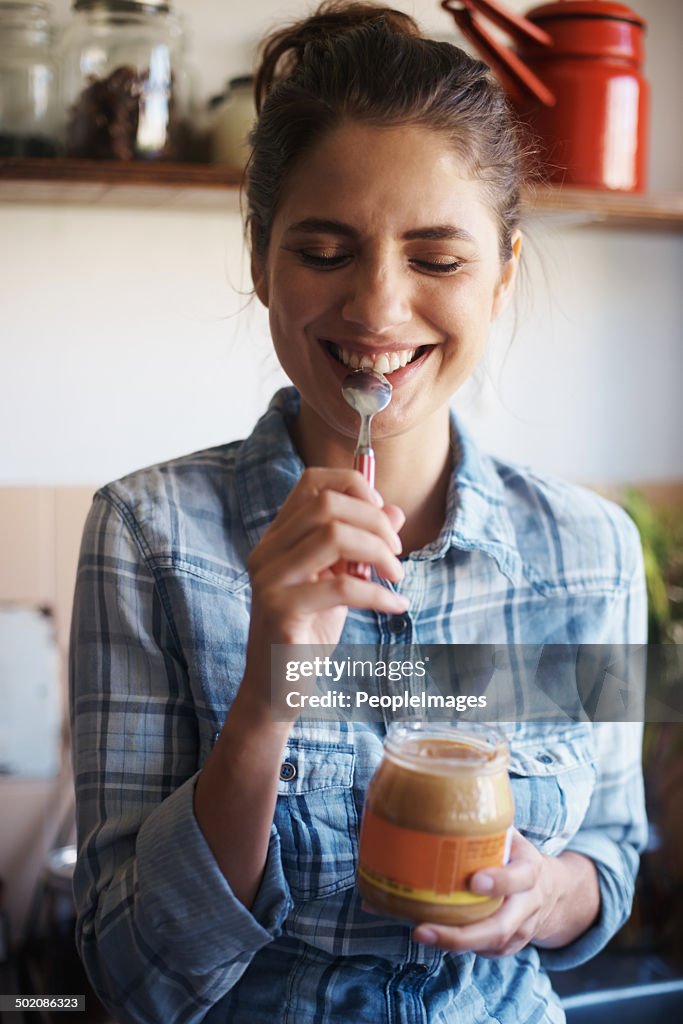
382 252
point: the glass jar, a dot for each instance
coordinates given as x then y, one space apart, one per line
438 809
233 118
27 80
124 83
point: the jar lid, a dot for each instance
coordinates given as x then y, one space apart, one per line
240 80
585 9
151 6
22 9
18 16
20 6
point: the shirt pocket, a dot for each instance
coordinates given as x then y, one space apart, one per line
553 778
316 818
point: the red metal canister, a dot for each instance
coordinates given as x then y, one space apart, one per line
596 132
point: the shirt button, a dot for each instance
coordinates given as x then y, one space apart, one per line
544 758
399 623
287 771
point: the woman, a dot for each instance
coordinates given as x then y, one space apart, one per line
217 854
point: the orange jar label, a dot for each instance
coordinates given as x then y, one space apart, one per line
427 866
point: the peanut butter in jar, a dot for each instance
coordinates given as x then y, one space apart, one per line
438 809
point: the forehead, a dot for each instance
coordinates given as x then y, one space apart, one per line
400 177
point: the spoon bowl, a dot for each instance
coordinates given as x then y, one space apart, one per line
367 392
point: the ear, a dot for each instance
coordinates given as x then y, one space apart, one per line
506 282
258 270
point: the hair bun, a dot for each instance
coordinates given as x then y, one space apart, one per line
282 50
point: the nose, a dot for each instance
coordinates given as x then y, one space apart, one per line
378 299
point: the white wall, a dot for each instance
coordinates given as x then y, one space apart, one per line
124 340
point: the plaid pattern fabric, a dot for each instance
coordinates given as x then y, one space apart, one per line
159 629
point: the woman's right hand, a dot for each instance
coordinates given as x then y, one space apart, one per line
301 589
301 593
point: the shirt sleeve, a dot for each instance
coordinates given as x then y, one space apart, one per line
159 930
614 831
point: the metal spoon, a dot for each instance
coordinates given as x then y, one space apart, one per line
367 392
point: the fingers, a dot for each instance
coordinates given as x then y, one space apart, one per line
323 509
325 545
301 588
330 516
396 516
521 872
506 931
516 876
351 482
335 591
514 924
317 479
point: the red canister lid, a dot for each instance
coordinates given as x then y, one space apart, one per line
587 28
585 9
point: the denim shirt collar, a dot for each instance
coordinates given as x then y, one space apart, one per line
477 517
268 466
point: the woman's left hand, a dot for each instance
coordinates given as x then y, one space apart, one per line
528 884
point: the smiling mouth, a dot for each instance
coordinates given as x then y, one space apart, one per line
383 362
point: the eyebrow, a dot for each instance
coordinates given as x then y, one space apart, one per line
436 232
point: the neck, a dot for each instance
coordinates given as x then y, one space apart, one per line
413 469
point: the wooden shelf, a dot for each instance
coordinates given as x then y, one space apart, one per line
197 186
118 183
655 211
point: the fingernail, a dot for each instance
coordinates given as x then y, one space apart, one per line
402 601
377 498
427 936
398 545
482 883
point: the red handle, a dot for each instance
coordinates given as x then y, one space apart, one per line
516 77
365 463
515 25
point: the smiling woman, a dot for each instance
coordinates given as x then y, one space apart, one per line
218 843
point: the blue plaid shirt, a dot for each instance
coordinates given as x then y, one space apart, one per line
158 646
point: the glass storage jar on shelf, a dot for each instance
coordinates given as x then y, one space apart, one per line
27 80
124 84
233 117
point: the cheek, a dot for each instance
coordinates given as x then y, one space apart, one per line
297 301
289 314
285 313
467 314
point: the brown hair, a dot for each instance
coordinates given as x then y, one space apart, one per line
361 62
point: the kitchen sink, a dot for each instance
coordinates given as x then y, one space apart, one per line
659 1003
621 987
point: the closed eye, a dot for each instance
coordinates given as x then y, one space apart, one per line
438 266
324 260
332 259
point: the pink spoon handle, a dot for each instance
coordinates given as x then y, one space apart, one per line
364 461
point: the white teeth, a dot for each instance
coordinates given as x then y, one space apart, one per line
383 362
